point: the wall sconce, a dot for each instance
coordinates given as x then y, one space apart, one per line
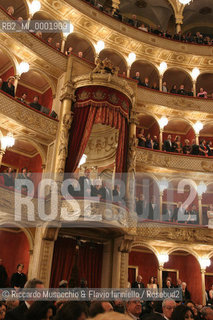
35 6
7 141
99 46
163 67
204 263
198 126
195 73
23 67
163 184
131 58
163 122
201 188
163 258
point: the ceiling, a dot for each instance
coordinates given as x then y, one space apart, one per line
24 147
34 80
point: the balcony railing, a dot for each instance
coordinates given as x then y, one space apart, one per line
145 37
173 101
28 117
37 45
155 158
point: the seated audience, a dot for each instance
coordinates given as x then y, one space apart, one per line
174 89
149 142
181 91
35 104
10 10
203 149
23 98
177 145
164 87
155 143
168 146
146 83
74 310
18 278
137 77
40 310
202 94
190 304
195 148
141 138
187 148
8 86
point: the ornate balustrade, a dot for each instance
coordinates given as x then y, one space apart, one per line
28 118
36 45
151 43
151 158
152 98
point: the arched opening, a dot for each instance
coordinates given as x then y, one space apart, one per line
23 154
180 202
204 81
142 261
20 8
198 17
209 279
180 130
146 70
82 259
14 238
151 13
148 125
115 58
33 83
206 134
178 77
180 265
147 194
79 44
7 65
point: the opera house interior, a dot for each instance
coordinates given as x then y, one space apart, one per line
106 155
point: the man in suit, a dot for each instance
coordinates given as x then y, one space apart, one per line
20 312
167 146
18 278
8 86
134 309
35 104
85 184
23 98
155 143
141 206
117 194
194 216
138 283
146 83
182 91
154 210
168 213
3 275
168 306
106 193
137 77
178 212
195 148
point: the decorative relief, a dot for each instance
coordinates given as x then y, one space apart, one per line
131 157
153 158
105 66
207 166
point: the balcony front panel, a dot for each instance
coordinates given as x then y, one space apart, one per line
149 157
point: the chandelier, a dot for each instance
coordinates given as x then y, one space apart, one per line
185 1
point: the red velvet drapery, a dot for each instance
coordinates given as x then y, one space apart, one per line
89 262
97 104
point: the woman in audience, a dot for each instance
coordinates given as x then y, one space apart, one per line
202 148
182 313
164 87
152 284
8 86
177 145
202 94
209 148
149 142
211 294
174 89
141 138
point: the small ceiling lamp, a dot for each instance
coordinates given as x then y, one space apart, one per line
35 6
7 141
163 67
195 73
23 67
163 122
131 58
99 46
198 126
185 1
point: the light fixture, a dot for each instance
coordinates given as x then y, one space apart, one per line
7 141
198 126
131 58
35 6
163 67
163 184
185 1
23 67
83 160
195 73
99 46
204 263
163 122
163 258
69 29
201 188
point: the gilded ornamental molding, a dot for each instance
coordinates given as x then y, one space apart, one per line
27 117
148 157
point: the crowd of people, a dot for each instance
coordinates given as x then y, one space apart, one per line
9 88
9 175
189 37
168 309
205 148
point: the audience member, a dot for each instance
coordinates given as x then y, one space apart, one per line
117 194
58 46
151 284
9 178
209 148
168 307
141 138
202 94
74 310
118 306
187 148
11 303
207 313
3 309
164 87
181 90
133 309
106 193
203 149
140 206
23 98
195 148
40 310
35 104
146 83
155 86
155 143
185 292
182 313
8 86
149 142
168 146
80 54
177 145
85 184
68 51
18 278
143 28
137 77
138 283
3 275
10 10
50 40
98 307
174 89
153 209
